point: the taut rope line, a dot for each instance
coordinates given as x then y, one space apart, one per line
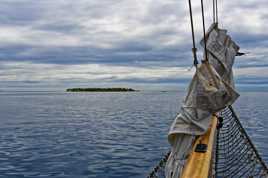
193 36
204 32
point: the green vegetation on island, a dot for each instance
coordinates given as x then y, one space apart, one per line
100 90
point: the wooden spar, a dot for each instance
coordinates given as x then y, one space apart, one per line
199 164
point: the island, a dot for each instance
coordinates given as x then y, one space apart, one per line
101 90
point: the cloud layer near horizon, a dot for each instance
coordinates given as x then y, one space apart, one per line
120 40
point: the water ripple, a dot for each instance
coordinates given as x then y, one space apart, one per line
99 135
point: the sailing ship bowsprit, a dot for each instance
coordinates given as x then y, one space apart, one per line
207 138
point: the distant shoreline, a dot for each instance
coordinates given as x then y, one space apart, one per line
101 90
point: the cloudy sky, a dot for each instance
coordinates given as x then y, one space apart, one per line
120 42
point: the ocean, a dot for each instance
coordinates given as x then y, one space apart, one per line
100 135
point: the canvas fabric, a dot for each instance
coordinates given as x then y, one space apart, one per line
207 94
211 89
221 52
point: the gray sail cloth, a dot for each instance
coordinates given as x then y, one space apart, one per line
211 89
221 52
207 94
181 148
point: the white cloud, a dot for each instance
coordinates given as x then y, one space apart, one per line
251 72
25 71
120 39
10 35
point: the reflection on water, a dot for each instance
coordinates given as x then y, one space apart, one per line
99 134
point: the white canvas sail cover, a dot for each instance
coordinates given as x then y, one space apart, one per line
207 94
211 89
221 52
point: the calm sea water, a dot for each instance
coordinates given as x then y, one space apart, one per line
102 135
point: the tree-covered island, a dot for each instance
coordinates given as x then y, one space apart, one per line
100 90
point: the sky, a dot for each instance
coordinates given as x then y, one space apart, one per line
131 43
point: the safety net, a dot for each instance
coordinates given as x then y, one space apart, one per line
235 155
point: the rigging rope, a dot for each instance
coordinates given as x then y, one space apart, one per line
204 31
235 154
193 36
216 11
214 20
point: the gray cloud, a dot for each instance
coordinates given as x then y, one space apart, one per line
128 33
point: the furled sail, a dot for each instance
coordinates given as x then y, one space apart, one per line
236 156
212 90
221 52
207 94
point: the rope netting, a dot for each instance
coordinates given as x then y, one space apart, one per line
235 155
159 170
